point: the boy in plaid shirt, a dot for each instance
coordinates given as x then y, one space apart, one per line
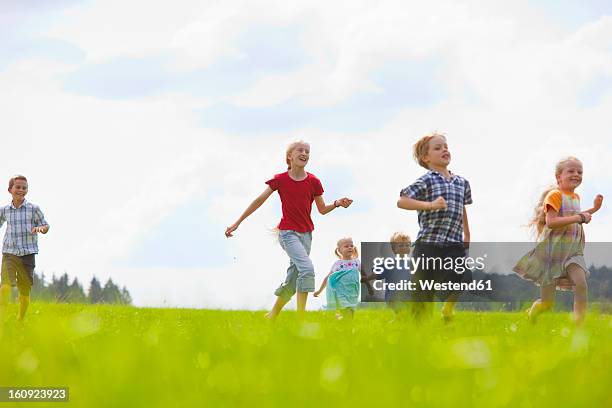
439 197
24 221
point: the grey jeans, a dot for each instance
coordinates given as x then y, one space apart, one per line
300 274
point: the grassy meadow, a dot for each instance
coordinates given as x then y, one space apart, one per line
125 356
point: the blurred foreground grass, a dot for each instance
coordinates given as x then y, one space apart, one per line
124 356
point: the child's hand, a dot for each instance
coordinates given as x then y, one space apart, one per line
38 229
230 229
597 202
587 217
344 202
316 294
438 204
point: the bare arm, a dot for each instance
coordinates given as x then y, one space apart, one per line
407 203
596 204
366 279
554 220
250 210
323 285
466 227
326 208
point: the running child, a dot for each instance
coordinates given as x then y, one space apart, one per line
558 258
24 221
439 197
396 299
343 280
297 190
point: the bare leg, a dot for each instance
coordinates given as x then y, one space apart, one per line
578 276
302 297
5 294
546 302
448 307
278 306
24 302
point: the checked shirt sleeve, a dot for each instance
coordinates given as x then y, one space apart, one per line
416 191
467 195
38 218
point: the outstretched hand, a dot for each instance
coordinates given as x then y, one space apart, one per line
230 229
344 202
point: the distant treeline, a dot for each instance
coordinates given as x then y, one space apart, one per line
515 292
62 290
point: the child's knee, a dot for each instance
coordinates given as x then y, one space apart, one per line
24 290
580 285
285 291
306 272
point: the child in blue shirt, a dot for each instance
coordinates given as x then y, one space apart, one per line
24 221
439 197
396 298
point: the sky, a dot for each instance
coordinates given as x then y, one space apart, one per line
146 128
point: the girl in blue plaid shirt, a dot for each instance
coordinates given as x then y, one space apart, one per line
439 197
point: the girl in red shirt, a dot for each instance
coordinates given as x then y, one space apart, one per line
297 190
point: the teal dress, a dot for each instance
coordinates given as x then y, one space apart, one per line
343 285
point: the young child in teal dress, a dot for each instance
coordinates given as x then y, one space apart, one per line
343 280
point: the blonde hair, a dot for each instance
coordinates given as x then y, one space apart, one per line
399 237
355 251
538 222
290 148
421 147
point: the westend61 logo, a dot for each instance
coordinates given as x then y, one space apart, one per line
410 263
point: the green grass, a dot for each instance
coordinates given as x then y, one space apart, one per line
122 356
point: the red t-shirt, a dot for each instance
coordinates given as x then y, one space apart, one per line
296 199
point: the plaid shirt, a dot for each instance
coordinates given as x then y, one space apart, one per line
19 239
440 226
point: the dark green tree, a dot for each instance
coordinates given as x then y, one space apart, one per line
95 292
111 293
76 293
126 298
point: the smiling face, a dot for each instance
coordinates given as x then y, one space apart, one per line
345 248
438 154
570 176
298 155
18 190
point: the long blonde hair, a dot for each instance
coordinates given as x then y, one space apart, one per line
290 148
538 222
355 251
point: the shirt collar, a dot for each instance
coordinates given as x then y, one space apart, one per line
22 204
452 175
